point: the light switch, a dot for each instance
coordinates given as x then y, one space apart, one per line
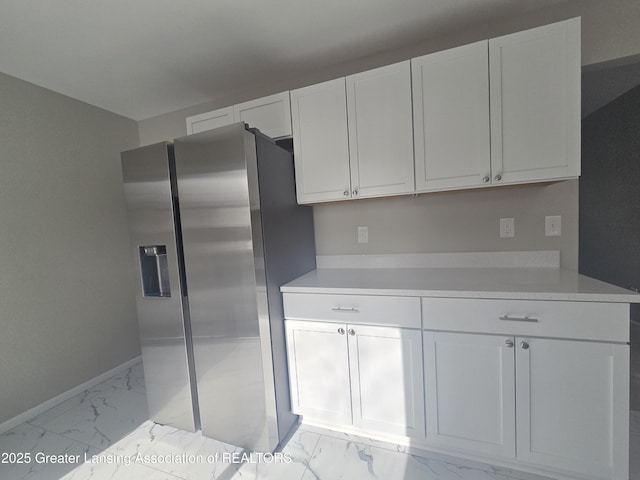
507 228
363 234
553 226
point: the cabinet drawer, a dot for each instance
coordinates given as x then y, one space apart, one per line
579 320
356 309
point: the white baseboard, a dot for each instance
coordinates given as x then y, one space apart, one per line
38 409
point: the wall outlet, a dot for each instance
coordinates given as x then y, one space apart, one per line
507 228
363 234
553 226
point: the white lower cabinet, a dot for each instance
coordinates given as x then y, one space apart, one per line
470 394
560 404
386 380
368 377
318 370
572 406
531 384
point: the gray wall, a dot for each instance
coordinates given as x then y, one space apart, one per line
466 221
610 206
610 192
66 308
462 221
448 222
609 31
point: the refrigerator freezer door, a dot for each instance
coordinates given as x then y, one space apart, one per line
220 212
164 333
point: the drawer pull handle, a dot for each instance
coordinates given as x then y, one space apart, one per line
518 319
345 310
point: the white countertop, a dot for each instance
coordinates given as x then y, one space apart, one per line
472 282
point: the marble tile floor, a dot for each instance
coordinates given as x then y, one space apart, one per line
104 433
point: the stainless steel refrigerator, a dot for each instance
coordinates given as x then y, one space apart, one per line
215 230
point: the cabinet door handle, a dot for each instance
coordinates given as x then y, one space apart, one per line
345 310
518 319
346 193
498 177
524 346
486 179
351 331
508 343
355 192
341 331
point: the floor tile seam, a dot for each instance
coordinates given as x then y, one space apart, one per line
127 390
58 434
118 388
53 432
424 454
463 463
90 396
369 442
74 440
143 451
481 467
308 460
304 472
508 474
163 471
63 412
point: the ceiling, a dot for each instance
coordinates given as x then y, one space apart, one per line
142 58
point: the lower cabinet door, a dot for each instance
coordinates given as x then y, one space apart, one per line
386 379
470 392
573 405
319 370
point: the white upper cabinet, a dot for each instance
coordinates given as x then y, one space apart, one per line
271 115
502 111
381 131
451 118
535 104
353 138
209 120
320 142
495 112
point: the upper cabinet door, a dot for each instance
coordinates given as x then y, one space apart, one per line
451 118
210 120
381 131
271 115
320 142
535 104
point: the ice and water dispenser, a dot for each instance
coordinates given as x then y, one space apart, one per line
155 271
